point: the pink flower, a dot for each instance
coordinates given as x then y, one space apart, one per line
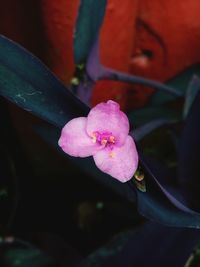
103 134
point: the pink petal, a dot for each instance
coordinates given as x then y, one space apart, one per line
75 141
107 117
120 162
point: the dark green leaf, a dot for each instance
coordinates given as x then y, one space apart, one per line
163 204
140 132
25 81
27 258
180 82
96 71
151 245
189 155
90 17
51 135
191 93
144 115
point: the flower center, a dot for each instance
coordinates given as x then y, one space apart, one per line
105 138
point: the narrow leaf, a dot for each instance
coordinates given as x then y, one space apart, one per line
189 155
142 131
160 205
142 116
90 17
84 90
51 135
25 81
191 93
96 71
180 82
143 247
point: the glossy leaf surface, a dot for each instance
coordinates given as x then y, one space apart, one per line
25 81
162 203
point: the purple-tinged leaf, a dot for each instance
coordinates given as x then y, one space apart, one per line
157 208
191 93
162 205
175 196
140 132
150 245
159 203
84 90
51 135
180 82
28 83
143 115
189 155
110 74
96 71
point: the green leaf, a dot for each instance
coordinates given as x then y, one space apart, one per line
51 135
179 82
140 132
191 94
142 116
28 83
27 257
90 17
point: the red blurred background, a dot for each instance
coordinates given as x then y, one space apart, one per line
154 39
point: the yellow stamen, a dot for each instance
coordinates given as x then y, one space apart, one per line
139 176
104 141
112 139
94 139
112 154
